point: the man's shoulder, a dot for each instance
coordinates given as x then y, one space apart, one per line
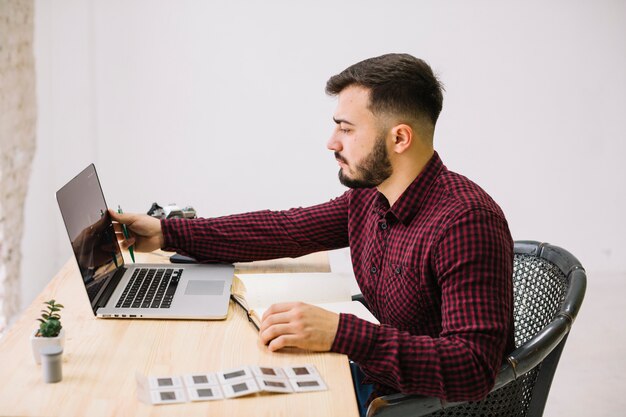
461 195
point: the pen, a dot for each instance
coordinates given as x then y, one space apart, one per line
126 235
232 297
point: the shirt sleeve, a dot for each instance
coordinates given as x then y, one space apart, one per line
472 263
261 235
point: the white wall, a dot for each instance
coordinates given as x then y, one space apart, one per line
221 105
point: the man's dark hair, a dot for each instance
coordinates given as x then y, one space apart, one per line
399 84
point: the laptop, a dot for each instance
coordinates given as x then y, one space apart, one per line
150 291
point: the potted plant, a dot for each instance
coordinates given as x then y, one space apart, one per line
50 331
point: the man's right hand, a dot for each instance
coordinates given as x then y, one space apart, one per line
145 231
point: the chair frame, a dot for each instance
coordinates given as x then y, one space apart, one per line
543 348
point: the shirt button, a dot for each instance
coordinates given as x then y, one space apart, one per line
374 270
398 270
383 225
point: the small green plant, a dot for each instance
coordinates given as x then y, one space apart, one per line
50 320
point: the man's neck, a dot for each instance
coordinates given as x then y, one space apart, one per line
405 171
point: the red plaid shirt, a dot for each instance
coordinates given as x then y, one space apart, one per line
435 269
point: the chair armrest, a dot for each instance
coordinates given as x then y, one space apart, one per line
401 405
518 363
361 299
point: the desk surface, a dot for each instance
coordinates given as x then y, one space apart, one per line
101 357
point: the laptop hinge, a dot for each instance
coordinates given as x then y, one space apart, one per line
103 299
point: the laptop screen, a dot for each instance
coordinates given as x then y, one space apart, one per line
90 230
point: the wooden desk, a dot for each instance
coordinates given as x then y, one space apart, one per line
101 357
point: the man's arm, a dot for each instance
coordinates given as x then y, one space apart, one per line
243 237
473 266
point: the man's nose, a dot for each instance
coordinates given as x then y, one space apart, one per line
333 143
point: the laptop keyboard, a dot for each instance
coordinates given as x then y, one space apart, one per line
150 288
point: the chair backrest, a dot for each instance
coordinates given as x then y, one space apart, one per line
548 288
538 292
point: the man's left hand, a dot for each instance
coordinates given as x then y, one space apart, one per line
298 325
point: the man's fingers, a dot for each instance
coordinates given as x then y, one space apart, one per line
145 231
114 215
274 319
278 321
274 331
298 325
118 228
126 243
283 341
278 308
121 217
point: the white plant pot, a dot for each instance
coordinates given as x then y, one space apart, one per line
39 342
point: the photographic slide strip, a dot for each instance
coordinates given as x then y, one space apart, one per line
231 383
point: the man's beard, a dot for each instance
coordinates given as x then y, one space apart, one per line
372 171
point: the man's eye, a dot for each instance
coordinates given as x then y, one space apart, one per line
344 130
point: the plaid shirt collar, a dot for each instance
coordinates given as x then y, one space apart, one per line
409 203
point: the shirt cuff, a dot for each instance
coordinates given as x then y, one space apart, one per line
176 235
355 337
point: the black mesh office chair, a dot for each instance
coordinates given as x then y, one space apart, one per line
548 285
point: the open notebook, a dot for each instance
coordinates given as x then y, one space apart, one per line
330 291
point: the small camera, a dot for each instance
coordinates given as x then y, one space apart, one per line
172 211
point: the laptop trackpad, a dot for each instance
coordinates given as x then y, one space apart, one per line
198 287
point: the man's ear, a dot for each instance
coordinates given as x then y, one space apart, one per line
403 137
